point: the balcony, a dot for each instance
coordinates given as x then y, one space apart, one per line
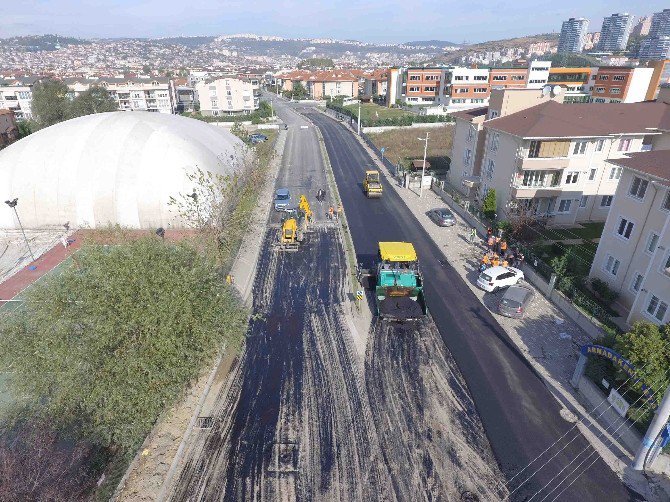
542 163
533 192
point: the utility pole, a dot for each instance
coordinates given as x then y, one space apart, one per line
359 117
657 424
12 203
423 171
272 110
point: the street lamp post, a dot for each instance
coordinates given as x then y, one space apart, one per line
12 203
359 117
423 171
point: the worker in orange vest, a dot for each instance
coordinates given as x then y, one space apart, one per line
496 260
330 213
503 246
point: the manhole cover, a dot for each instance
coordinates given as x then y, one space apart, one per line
284 457
204 422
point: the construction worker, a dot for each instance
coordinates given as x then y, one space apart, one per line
490 242
503 246
505 263
330 212
497 244
485 262
473 235
496 260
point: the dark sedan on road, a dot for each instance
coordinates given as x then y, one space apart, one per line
442 217
515 301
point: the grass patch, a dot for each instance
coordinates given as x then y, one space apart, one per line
402 145
371 112
586 251
591 230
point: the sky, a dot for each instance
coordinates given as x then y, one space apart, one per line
391 21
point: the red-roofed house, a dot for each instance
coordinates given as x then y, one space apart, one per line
9 132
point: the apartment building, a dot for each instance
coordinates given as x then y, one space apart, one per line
9 132
322 84
16 94
642 27
423 86
633 255
376 83
615 84
573 35
508 78
615 32
151 94
659 77
184 96
575 82
550 160
465 88
226 96
657 44
469 137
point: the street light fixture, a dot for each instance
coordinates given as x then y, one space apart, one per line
13 203
423 170
160 232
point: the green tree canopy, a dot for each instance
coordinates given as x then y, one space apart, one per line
117 335
94 100
316 63
489 205
50 104
646 346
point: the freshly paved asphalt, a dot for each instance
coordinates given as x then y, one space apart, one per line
520 415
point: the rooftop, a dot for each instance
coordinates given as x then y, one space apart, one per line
471 114
655 163
587 120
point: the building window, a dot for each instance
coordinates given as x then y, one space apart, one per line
599 145
480 90
490 167
583 201
480 77
619 78
606 201
414 89
600 89
564 206
652 242
615 90
429 88
624 144
499 78
579 148
572 178
657 308
493 114
666 267
414 77
615 173
518 77
495 140
592 174
638 188
460 77
665 205
471 133
625 228
604 77
534 150
467 156
612 264
637 282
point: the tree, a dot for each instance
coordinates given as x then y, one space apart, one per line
94 100
26 127
113 340
299 91
36 463
646 346
489 205
50 103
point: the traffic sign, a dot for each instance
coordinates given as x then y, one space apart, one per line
382 149
359 294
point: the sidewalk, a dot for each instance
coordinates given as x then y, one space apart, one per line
548 340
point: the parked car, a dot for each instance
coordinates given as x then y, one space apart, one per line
256 138
442 217
495 278
515 301
282 199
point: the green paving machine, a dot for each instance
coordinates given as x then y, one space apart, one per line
398 283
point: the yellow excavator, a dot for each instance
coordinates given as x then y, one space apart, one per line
295 223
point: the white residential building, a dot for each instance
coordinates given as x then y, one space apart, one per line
633 255
16 94
538 74
151 94
226 96
615 32
573 34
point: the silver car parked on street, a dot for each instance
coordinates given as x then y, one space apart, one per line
442 217
515 301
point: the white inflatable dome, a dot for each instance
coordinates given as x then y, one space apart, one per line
110 168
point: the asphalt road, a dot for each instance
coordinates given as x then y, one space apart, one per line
520 416
302 418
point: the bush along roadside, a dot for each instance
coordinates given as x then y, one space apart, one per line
401 120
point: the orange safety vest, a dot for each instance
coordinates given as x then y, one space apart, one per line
503 245
485 260
496 262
